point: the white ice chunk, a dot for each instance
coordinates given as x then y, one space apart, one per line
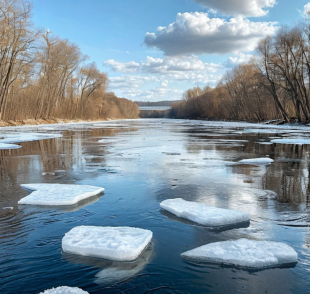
64 290
58 194
8 139
9 146
296 141
113 243
26 137
256 161
203 214
245 253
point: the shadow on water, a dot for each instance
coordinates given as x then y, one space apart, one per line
218 229
207 265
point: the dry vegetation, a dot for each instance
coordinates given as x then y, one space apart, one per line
44 77
274 85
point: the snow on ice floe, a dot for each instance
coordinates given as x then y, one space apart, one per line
58 194
296 141
64 290
204 214
256 161
245 253
113 243
7 139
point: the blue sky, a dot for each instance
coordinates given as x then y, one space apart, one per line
197 42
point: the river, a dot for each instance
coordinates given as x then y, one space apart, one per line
141 163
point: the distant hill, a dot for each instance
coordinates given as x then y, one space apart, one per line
157 103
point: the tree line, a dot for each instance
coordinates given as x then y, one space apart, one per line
44 76
275 84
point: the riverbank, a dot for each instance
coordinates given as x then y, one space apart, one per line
34 122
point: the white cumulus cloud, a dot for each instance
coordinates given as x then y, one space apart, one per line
125 67
239 7
196 33
167 65
236 60
307 9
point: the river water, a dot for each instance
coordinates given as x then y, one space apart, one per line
141 163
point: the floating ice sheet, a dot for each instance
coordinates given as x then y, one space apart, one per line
64 290
8 139
256 161
245 253
203 214
113 243
296 141
9 146
58 194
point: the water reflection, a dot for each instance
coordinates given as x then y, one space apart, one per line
147 162
113 271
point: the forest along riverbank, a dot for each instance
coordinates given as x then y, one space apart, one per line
45 77
142 163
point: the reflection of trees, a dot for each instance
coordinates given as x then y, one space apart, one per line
48 160
51 155
289 177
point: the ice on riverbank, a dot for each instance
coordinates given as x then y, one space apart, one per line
58 194
113 243
203 214
257 161
8 139
64 290
296 141
245 253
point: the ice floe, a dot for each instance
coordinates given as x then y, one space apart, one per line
8 138
64 290
58 194
9 146
113 243
296 141
203 214
245 253
256 161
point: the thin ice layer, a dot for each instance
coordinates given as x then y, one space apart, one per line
64 290
245 253
113 243
8 139
254 161
58 194
296 141
203 214
9 146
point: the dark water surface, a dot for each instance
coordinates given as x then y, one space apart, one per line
141 163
